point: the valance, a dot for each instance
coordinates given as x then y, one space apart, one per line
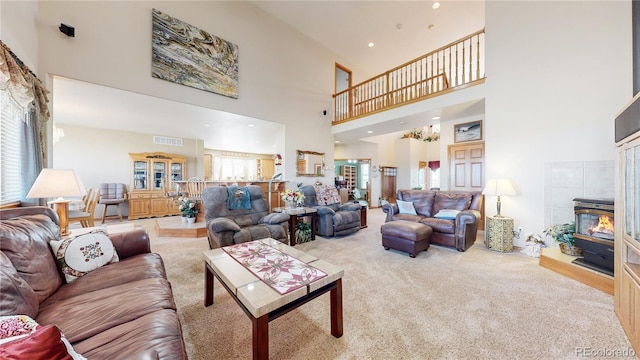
434 165
21 83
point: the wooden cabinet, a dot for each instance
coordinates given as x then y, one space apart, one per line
627 224
266 168
152 175
349 172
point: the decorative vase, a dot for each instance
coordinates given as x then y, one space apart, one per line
191 220
290 204
570 250
184 219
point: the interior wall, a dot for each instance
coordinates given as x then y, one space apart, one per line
18 30
557 73
275 83
99 155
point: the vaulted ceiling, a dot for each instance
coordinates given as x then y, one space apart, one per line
400 30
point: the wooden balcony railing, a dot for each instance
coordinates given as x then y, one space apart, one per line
457 64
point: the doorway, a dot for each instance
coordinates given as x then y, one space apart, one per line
342 84
388 189
354 176
466 170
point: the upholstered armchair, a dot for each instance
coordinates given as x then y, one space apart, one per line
243 216
334 218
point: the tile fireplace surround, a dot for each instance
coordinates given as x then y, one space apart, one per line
565 181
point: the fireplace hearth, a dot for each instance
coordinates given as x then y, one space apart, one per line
594 233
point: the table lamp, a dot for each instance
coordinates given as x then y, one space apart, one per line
58 183
499 187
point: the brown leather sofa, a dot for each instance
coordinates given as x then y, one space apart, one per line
122 310
460 232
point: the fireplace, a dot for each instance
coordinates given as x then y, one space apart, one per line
594 233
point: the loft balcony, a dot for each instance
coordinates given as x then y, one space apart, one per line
452 67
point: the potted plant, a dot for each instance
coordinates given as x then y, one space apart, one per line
563 234
188 209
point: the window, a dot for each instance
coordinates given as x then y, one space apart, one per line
12 150
230 168
435 178
364 175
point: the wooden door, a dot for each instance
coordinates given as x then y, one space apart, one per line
388 190
466 170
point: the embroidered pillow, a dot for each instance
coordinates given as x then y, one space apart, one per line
327 194
447 214
77 256
406 207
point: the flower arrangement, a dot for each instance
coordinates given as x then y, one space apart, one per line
187 207
419 135
295 196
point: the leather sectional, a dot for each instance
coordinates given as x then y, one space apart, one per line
122 310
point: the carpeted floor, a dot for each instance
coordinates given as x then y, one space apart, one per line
443 304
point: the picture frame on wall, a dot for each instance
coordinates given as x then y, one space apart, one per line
471 131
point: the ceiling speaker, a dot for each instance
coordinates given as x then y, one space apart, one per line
70 31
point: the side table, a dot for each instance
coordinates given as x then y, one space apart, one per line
296 213
499 233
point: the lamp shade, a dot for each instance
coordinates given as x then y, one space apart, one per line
56 183
499 187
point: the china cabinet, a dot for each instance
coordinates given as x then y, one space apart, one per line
627 224
152 175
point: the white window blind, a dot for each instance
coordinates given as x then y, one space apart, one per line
11 134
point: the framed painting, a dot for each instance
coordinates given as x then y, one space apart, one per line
186 55
471 131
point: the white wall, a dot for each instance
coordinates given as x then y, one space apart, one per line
112 47
18 30
557 73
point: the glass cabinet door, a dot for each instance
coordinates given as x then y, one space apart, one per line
159 174
140 175
176 171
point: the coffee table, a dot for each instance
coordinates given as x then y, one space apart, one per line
262 303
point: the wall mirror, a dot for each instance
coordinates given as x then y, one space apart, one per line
310 163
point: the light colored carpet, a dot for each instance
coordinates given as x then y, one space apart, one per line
443 304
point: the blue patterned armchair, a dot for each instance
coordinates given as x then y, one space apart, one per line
334 218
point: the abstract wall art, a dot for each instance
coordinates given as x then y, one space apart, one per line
184 54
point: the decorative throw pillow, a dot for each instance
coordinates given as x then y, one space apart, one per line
77 256
327 194
406 207
21 337
447 214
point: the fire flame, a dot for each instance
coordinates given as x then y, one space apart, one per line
605 225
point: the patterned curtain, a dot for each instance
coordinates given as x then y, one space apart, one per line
26 90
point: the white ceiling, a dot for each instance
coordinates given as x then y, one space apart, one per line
399 29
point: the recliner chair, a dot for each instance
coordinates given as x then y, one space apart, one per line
335 218
228 226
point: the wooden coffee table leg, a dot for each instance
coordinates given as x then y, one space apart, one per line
336 309
260 337
208 285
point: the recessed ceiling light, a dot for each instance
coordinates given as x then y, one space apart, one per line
207 125
402 122
435 118
337 141
371 44
435 5
370 132
251 125
430 27
257 141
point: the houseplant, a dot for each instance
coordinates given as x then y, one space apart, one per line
563 234
188 209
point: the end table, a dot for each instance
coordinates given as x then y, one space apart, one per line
499 233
